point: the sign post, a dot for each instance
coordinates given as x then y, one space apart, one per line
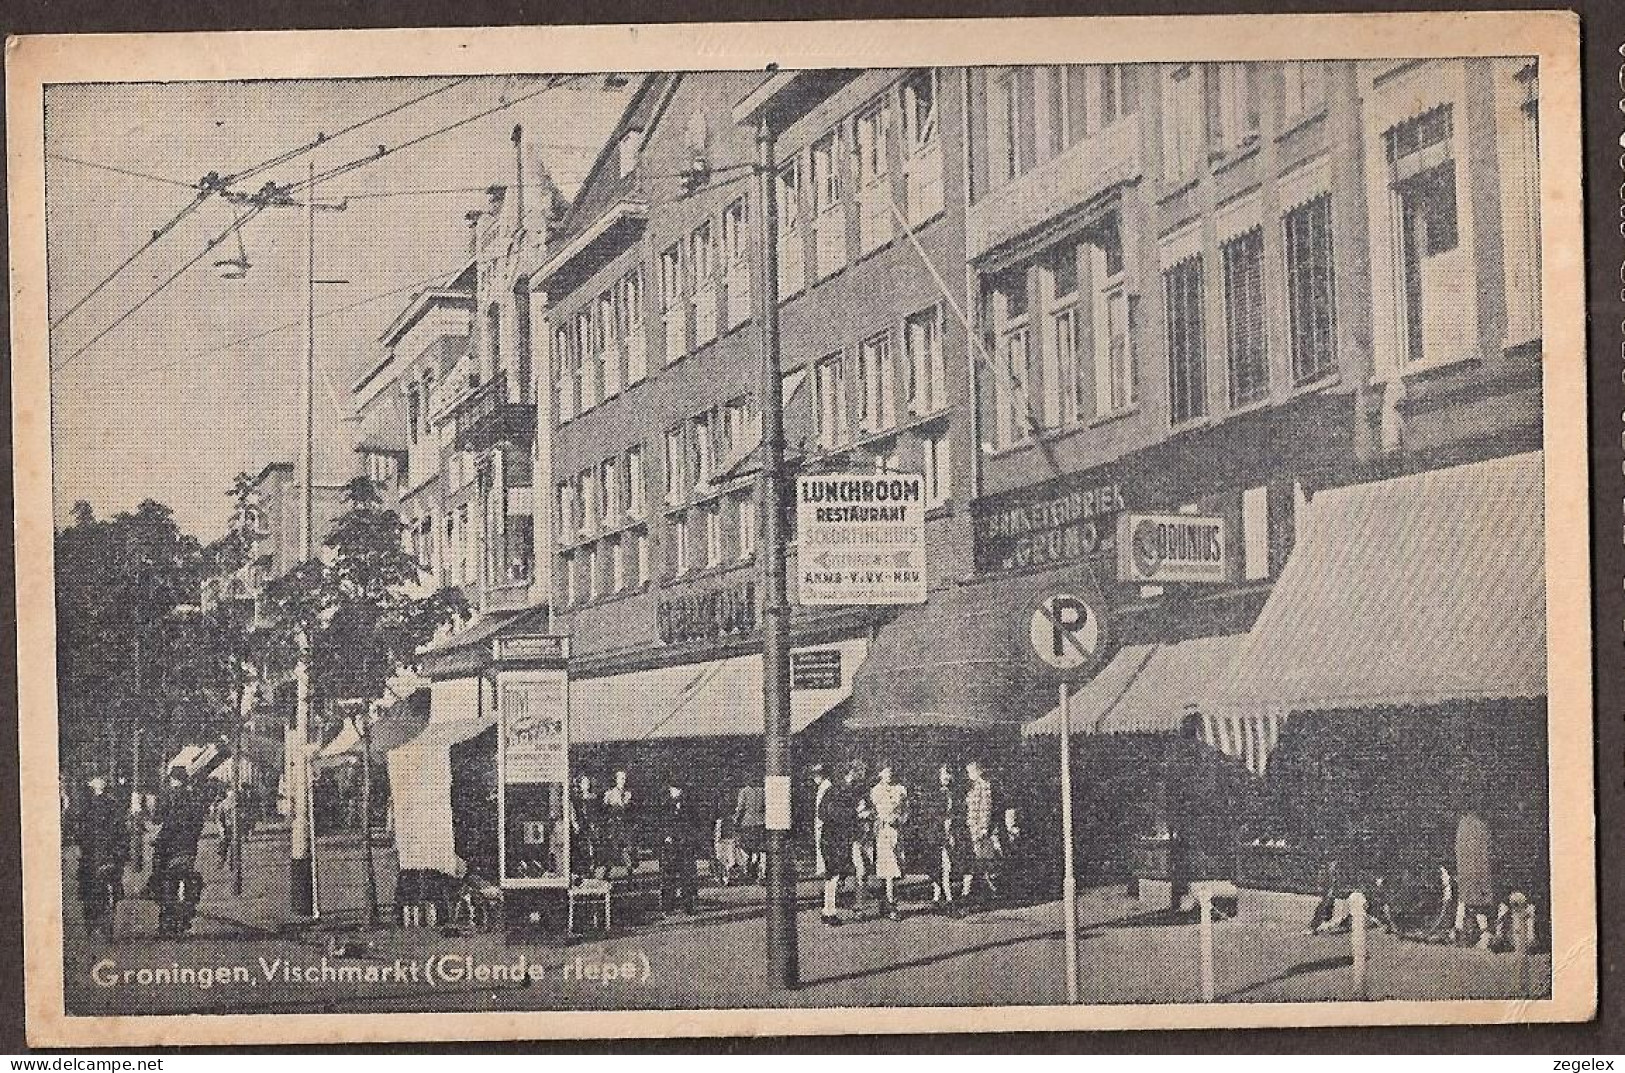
1067 635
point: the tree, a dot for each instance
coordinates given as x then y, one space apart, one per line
357 603
128 674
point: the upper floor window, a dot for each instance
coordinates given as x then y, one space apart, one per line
673 310
736 262
637 488
677 482
1244 318
877 386
587 367
922 147
1232 106
829 389
629 324
702 263
1182 148
1303 88
1310 288
1006 307
828 208
1187 361
927 370
1011 120
1423 179
564 370
792 265
1116 373
872 167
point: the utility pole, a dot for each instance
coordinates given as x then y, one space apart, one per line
301 818
782 948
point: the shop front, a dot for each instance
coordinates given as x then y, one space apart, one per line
1396 683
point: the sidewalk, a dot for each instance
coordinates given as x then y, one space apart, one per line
716 959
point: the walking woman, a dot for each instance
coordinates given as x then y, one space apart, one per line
889 799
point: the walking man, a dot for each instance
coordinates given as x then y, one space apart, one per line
100 832
679 848
834 820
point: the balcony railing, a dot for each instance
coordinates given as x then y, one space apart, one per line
486 417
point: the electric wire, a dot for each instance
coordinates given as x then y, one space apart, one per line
131 172
322 139
186 210
208 248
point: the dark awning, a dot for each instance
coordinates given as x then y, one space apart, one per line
963 659
1419 590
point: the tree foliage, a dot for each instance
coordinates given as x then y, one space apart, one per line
358 603
127 656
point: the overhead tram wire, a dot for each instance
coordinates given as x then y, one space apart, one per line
131 172
323 138
208 248
213 183
384 151
190 207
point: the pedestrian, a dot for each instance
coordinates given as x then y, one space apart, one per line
862 846
584 828
224 811
616 823
679 850
175 880
889 802
750 826
980 819
942 837
100 831
834 817
1475 887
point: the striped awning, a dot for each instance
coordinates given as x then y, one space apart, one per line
716 698
1147 689
1415 591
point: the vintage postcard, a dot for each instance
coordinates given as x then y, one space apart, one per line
802 528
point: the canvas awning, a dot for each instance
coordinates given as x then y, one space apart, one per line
963 660
1420 590
420 789
717 698
1147 689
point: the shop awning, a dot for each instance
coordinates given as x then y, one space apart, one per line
393 725
1147 689
420 790
962 660
1419 590
468 651
717 698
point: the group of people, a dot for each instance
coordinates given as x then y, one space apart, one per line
605 830
957 833
104 829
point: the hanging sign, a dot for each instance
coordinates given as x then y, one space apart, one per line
860 539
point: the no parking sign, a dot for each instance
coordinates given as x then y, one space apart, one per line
1068 633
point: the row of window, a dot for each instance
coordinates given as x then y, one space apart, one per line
1073 361
1035 113
1311 313
883 163
601 349
897 374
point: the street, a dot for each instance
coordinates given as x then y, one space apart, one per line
241 959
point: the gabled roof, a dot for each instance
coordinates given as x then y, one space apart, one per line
604 186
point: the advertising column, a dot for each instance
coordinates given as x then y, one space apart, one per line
533 761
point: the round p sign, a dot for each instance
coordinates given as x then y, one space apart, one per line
1066 632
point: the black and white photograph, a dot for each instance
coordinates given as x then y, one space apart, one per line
847 531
